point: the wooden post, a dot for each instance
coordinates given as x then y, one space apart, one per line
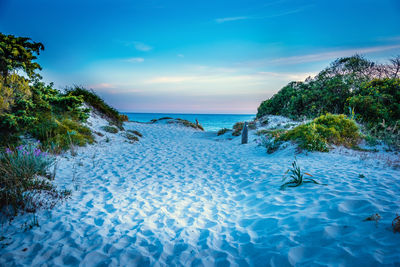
245 134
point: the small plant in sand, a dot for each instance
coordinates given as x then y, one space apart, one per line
297 177
270 144
373 218
135 133
222 131
110 129
396 224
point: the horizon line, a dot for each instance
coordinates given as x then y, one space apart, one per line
175 113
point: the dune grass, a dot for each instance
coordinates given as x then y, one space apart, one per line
26 173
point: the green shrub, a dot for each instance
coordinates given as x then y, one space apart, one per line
389 134
323 131
136 133
63 133
110 129
326 92
376 101
222 131
25 177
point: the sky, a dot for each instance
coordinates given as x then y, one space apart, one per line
198 56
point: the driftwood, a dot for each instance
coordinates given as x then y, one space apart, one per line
245 134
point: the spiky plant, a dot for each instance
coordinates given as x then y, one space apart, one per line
296 176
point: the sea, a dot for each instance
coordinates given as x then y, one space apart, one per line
210 122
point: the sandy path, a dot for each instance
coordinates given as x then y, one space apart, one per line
179 198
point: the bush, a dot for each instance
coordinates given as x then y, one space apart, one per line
376 101
24 177
323 131
326 92
110 129
222 131
237 128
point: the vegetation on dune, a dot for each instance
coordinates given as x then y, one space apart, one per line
131 137
190 124
222 131
376 101
237 128
179 121
31 109
368 92
95 101
110 129
329 90
135 133
322 132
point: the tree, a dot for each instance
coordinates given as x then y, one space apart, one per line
17 53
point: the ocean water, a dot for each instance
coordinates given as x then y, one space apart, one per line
210 122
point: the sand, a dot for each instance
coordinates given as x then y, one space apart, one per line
181 197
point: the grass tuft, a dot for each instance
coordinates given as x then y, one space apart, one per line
297 177
25 180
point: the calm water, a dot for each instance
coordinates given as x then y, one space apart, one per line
210 122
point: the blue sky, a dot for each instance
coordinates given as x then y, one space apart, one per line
198 56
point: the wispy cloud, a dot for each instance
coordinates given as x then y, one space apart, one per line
134 60
333 54
222 20
329 55
273 15
102 86
181 55
228 78
142 46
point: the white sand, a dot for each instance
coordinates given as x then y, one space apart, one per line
183 197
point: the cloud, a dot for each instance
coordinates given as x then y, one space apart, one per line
134 60
222 20
102 86
228 78
170 79
180 55
275 15
330 55
141 46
